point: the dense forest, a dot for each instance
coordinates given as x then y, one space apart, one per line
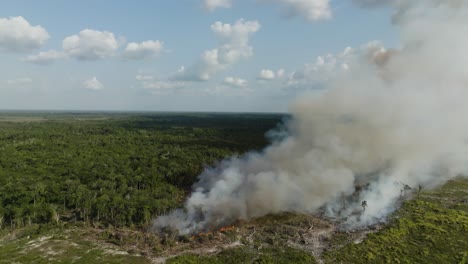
112 168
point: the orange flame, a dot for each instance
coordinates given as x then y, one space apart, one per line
221 230
226 228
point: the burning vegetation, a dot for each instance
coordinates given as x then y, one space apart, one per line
378 124
415 233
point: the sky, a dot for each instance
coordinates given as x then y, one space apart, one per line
184 55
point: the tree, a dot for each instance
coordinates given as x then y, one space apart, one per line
364 205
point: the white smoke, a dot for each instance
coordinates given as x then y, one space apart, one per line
395 117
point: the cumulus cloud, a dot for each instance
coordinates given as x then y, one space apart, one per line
233 46
235 81
19 81
266 74
90 44
17 35
213 4
325 67
280 73
143 50
237 33
312 10
93 84
45 57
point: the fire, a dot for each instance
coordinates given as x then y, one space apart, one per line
221 230
226 228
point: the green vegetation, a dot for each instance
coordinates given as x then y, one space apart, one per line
433 228
49 244
248 255
83 187
112 169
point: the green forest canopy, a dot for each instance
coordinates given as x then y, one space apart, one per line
112 168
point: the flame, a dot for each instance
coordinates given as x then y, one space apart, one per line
221 230
226 228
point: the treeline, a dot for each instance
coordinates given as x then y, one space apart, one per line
122 171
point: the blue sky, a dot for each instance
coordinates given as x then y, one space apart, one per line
261 50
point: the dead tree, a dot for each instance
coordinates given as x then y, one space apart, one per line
364 205
404 189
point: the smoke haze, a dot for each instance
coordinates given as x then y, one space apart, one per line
395 117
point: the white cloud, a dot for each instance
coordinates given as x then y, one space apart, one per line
233 46
310 9
236 34
327 66
45 57
280 73
266 74
323 68
90 45
145 49
19 81
93 84
235 81
213 4
17 35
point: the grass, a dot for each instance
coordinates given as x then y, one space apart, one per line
57 245
273 255
432 228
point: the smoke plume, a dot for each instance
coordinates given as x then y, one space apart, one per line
394 118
